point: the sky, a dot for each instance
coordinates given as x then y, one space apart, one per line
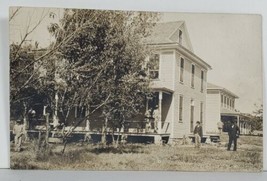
230 43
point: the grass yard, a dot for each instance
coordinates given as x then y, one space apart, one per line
247 158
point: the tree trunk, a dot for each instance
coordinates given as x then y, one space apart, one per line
65 141
47 128
104 132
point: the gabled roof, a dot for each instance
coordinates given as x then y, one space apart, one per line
216 87
166 35
164 32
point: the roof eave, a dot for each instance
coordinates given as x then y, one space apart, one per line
224 90
182 50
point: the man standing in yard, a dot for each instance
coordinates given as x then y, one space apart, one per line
18 130
233 132
198 134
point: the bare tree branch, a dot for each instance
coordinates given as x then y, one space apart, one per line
28 32
14 13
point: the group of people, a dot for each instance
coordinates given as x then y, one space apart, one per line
152 114
233 133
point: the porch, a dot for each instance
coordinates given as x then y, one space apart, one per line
241 119
79 134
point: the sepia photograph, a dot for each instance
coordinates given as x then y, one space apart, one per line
135 90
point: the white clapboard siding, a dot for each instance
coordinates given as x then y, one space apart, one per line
213 111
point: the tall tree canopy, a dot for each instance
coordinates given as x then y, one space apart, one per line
103 57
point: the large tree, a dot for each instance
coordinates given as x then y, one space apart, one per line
27 62
103 57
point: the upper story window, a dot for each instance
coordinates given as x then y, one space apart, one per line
201 112
182 70
180 37
193 76
202 81
154 66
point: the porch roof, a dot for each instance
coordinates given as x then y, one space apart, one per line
162 88
227 112
242 117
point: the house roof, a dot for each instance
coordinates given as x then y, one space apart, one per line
163 31
164 35
211 86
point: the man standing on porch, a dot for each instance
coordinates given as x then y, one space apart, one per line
198 134
156 119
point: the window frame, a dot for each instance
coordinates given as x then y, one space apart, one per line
154 70
202 76
193 72
201 112
181 76
180 37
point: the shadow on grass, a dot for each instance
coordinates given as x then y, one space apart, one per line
119 150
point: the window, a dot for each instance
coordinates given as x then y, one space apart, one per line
193 76
181 108
227 102
201 112
192 108
202 80
180 37
154 66
182 70
224 103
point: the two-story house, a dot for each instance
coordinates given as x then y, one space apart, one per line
179 80
221 111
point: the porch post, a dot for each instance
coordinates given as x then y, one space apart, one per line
238 121
160 111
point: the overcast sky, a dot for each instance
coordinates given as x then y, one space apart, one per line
231 44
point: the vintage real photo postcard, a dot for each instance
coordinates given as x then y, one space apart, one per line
127 90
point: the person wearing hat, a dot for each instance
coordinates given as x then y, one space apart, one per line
233 133
198 132
18 131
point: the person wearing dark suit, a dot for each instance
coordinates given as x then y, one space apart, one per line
198 132
233 133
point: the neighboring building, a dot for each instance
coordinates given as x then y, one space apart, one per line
221 111
179 80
